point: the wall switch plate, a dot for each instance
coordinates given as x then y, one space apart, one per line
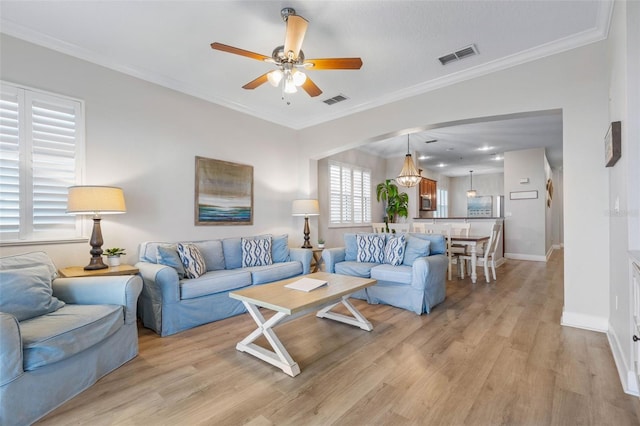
524 180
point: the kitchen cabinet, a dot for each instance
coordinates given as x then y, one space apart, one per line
428 195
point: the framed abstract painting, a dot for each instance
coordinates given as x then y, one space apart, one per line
223 193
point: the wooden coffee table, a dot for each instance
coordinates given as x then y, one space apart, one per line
289 304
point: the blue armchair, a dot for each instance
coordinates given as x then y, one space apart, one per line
58 336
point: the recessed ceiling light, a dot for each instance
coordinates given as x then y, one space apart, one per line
441 165
485 148
424 157
498 158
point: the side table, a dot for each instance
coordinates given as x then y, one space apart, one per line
78 271
317 259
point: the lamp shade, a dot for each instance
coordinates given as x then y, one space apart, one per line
95 200
305 208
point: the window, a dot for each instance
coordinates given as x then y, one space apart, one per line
349 194
442 209
41 153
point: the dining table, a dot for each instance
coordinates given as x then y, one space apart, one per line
471 241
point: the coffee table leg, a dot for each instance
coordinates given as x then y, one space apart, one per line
357 320
279 357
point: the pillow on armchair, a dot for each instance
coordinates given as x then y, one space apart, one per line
25 285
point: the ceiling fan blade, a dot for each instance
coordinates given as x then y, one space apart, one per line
296 29
335 63
237 51
257 82
310 87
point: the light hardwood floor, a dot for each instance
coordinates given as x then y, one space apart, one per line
491 354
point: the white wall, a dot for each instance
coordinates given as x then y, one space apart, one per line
485 184
576 82
623 179
144 138
525 220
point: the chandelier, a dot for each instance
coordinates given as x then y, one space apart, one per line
409 175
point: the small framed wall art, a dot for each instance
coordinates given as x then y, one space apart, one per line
223 193
612 148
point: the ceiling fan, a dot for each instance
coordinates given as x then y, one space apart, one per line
289 59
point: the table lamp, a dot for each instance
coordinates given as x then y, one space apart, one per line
95 201
306 208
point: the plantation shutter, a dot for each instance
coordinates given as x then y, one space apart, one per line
366 197
10 199
54 135
349 194
334 194
347 207
357 196
41 147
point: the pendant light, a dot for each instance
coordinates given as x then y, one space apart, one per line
409 175
471 192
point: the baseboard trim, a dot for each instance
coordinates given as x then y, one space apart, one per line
586 322
549 252
517 256
627 375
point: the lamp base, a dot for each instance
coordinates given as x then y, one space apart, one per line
95 264
307 244
96 247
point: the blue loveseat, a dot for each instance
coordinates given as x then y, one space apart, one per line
170 302
417 284
58 336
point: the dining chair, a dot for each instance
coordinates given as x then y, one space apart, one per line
459 229
486 253
444 229
378 227
399 227
418 227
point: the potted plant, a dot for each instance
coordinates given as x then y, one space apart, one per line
113 255
320 242
396 203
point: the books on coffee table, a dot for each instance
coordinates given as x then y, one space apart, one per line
306 284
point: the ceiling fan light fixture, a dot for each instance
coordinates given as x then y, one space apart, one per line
409 175
275 77
299 78
289 85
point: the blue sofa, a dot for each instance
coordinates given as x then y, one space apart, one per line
171 303
417 284
58 336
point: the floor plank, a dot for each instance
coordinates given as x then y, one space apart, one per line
490 354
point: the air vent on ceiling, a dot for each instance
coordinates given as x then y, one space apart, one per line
335 99
431 141
461 53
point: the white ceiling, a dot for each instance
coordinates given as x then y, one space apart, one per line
168 42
